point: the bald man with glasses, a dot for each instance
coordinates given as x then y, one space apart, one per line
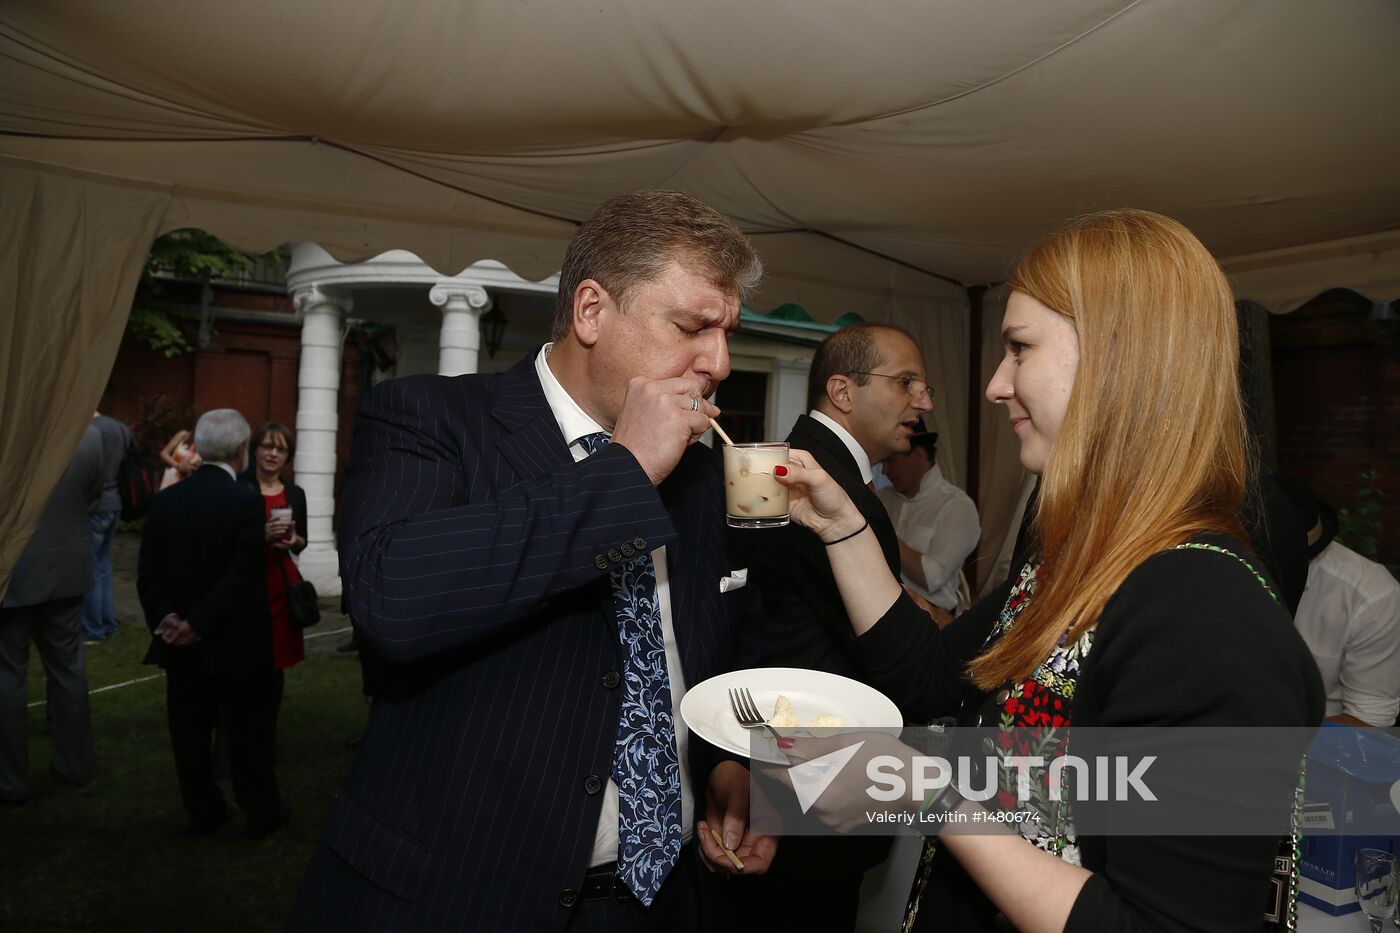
866 392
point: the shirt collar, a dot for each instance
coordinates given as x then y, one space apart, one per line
857 451
226 468
574 423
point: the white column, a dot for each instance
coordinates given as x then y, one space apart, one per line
318 416
459 341
788 394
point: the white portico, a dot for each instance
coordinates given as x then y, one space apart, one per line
438 328
438 322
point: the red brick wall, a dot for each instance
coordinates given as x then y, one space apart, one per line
250 366
1337 404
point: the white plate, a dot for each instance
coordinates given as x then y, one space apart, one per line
706 710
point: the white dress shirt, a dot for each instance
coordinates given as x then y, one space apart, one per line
574 423
853 445
940 522
1350 618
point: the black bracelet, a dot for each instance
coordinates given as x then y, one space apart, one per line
849 536
937 812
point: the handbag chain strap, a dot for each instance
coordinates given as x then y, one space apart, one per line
1290 919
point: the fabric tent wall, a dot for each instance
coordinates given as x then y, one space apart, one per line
942 333
829 278
960 133
71 251
1282 280
257 194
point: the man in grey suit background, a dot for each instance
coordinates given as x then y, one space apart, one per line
45 602
99 608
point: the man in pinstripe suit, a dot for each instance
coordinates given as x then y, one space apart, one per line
508 543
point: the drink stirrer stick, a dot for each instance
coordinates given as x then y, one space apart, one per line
720 431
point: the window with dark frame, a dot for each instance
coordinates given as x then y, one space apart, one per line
743 405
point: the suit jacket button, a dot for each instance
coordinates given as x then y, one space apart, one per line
592 784
989 746
568 897
611 679
627 550
601 562
1002 696
639 543
614 555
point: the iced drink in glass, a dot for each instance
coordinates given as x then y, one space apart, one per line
753 498
284 515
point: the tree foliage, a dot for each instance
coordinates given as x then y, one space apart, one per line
187 255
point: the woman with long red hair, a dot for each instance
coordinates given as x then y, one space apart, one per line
1141 604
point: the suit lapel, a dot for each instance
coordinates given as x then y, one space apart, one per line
815 437
693 564
836 459
680 567
532 444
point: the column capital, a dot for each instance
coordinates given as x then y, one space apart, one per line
311 296
476 298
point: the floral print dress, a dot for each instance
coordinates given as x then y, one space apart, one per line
1033 720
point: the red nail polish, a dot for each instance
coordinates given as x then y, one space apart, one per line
786 743
780 470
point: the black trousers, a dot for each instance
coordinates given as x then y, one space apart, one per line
692 900
814 884
244 710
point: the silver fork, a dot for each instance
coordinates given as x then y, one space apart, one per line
746 712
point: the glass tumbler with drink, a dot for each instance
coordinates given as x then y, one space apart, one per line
753 498
284 515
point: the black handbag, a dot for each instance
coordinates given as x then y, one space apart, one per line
301 601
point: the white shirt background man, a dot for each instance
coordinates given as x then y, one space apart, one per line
1350 617
936 521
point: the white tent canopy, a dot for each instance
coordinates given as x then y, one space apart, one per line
883 156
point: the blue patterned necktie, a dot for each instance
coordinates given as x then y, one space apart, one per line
645 766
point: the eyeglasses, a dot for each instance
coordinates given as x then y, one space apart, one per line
272 448
915 387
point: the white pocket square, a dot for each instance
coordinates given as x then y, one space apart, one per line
734 580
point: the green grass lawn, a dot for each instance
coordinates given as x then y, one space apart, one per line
114 855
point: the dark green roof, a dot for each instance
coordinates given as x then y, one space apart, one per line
793 315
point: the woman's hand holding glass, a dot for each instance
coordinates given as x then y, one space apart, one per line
275 531
815 500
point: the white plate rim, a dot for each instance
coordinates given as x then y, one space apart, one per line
696 710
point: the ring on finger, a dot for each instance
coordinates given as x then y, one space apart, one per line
694 403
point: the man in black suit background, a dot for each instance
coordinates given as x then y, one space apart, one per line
866 391
201 581
535 559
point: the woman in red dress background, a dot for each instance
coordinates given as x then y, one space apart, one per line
272 446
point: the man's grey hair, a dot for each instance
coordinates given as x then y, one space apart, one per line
219 434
